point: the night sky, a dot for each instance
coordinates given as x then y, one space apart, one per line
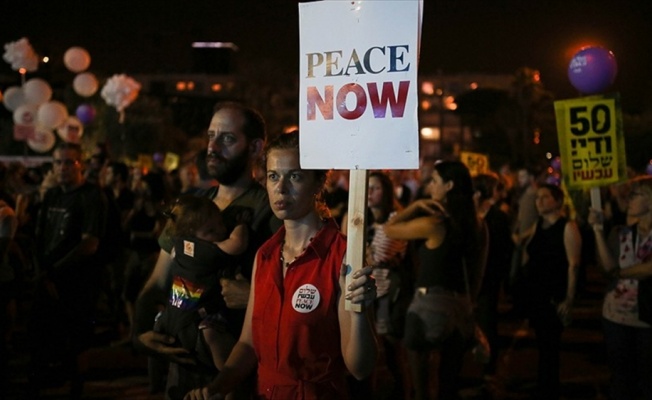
489 36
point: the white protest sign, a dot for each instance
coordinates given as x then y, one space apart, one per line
358 92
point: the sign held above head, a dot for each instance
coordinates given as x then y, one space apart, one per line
358 97
358 92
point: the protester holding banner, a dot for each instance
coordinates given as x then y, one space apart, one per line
552 257
627 311
297 332
451 259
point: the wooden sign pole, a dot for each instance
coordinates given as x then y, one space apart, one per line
356 228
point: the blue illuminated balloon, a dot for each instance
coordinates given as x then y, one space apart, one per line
85 113
592 70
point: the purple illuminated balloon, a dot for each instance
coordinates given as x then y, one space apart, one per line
85 113
553 179
592 70
555 163
648 169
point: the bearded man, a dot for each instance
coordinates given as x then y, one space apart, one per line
236 136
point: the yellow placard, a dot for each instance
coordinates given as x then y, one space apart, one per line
145 161
477 163
171 161
591 141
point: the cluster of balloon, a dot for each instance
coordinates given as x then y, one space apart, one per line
85 84
592 70
77 60
35 114
21 56
120 91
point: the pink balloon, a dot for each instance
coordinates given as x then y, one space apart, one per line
77 59
85 84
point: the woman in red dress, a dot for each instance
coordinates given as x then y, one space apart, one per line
297 334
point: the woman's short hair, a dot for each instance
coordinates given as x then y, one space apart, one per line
70 146
486 185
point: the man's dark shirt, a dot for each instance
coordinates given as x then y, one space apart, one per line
65 217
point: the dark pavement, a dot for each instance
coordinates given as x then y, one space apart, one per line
117 372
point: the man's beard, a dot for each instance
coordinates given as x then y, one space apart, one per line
227 171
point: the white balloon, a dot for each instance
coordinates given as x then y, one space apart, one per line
52 114
25 114
77 59
71 130
120 91
85 84
14 98
20 54
37 91
43 140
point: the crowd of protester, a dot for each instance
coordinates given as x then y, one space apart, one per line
84 243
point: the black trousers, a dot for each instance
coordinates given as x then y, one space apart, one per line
547 329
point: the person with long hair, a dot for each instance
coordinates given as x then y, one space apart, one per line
297 333
627 309
451 257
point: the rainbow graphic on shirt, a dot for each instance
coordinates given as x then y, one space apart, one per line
185 294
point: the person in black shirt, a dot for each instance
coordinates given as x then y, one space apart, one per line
69 228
